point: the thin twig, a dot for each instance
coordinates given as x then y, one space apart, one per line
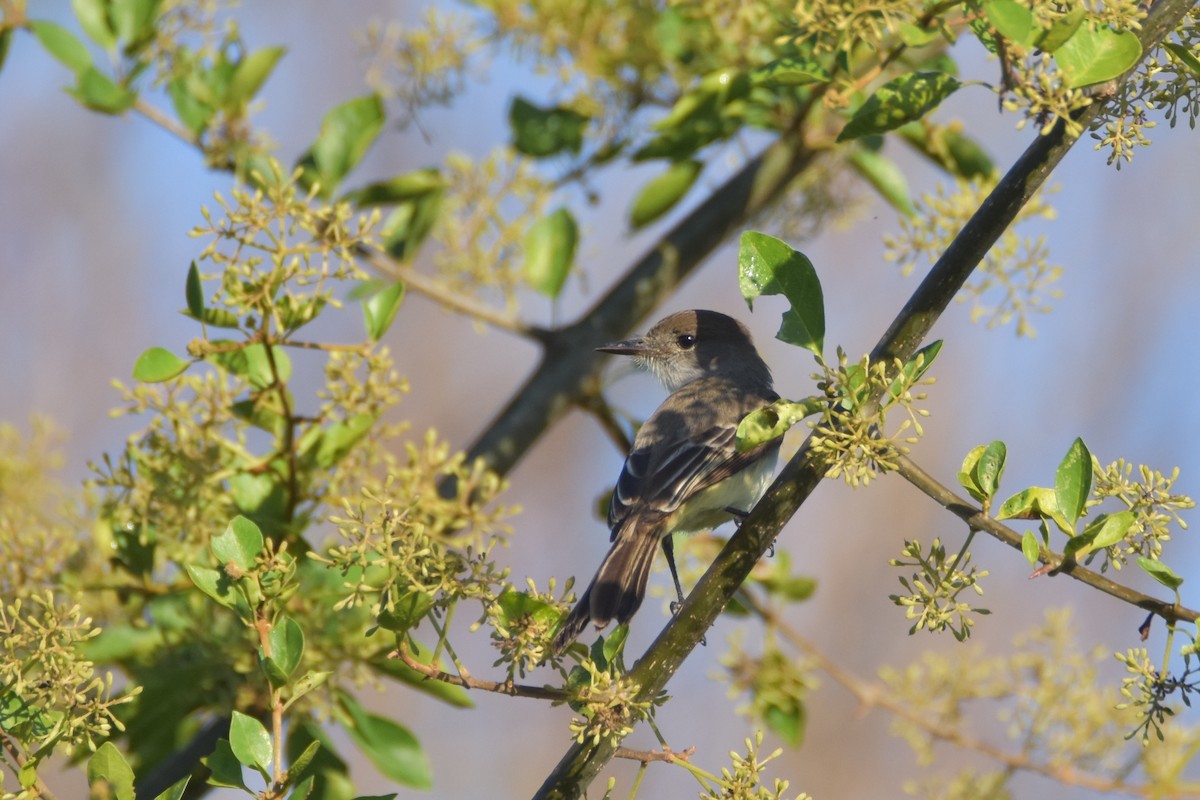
508 687
168 124
976 518
666 754
455 301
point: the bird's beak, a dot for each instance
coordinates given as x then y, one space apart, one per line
627 347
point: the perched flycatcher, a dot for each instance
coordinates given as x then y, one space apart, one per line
684 473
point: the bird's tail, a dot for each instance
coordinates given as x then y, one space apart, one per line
618 588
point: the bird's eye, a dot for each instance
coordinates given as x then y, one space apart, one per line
686 341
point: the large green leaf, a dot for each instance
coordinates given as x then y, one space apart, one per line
661 193
109 774
390 746
347 131
62 44
157 365
767 266
1095 55
542 132
898 102
249 75
1073 481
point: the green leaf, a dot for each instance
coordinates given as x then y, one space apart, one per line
347 131
1160 572
194 291
134 21
1036 502
287 648
768 266
1185 57
1073 481
1061 30
62 44
541 132
240 543
790 72
915 36
412 221
261 496
408 610
1097 55
299 766
307 682
93 18
224 766
990 468
379 310
613 645
109 774
193 112
248 77
157 365
6 38
252 364
340 437
100 93
967 476
774 421
251 743
216 584
515 606
1109 529
899 101
175 791
388 745
409 186
787 723
550 246
660 194
1013 20
1030 547
887 178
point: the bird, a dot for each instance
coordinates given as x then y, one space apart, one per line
684 472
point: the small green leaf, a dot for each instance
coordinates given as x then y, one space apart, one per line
1109 529
660 194
298 768
194 113
379 310
287 647
309 681
1061 30
1036 502
1097 55
990 468
968 477
887 178
240 543
899 101
93 18
157 365
109 774
515 606
216 584
790 72
1160 572
541 132
340 437
411 222
774 421
224 766
133 21
388 745
194 291
253 365
347 131
100 93
915 36
550 246
175 791
768 266
1030 547
408 610
787 723
6 38
1185 57
1073 481
248 77
409 186
251 743
1013 20
62 44
613 645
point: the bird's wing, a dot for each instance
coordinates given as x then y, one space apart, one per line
664 473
